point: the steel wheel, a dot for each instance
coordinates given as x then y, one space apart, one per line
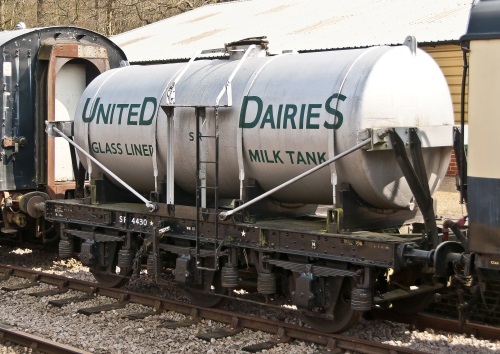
338 306
108 280
200 296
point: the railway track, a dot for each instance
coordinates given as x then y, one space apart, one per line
235 322
36 343
423 321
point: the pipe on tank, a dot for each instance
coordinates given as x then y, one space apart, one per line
224 215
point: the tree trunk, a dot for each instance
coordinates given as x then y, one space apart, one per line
110 4
40 13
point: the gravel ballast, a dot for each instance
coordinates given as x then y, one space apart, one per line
108 332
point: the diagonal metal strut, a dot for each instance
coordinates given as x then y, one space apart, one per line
417 179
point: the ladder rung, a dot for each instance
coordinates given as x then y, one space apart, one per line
208 136
214 188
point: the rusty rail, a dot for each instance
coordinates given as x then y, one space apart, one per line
235 320
36 343
422 321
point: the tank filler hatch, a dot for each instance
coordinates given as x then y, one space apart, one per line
238 48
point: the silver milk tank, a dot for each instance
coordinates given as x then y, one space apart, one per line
289 113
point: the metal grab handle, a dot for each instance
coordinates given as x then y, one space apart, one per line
52 128
225 214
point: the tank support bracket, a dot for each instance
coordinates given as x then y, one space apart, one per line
53 130
417 178
227 214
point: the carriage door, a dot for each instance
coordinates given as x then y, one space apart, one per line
72 66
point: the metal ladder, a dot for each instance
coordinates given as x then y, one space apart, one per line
203 214
202 161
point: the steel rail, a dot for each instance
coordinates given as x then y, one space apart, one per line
235 320
422 321
39 344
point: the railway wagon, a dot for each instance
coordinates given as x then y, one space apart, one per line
190 166
215 169
44 71
481 173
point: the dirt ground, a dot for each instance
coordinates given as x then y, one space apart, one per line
448 200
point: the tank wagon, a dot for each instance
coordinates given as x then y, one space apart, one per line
215 168
44 71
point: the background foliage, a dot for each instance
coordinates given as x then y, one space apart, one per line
104 16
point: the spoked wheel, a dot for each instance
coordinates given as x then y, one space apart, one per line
109 280
337 314
201 295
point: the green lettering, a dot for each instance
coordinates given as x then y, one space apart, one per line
301 122
268 117
100 113
290 112
137 149
254 156
300 158
94 147
290 154
278 119
321 158
132 113
276 156
311 157
311 115
148 121
243 112
267 158
334 111
121 106
112 113
92 115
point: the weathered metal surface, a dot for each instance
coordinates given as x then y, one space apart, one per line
223 333
288 236
70 300
27 98
282 123
141 315
20 286
483 172
37 343
326 25
95 236
49 292
106 307
91 216
422 321
178 324
258 347
231 318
